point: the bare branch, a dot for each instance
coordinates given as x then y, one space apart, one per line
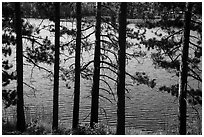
111 52
109 88
194 44
109 69
30 87
196 22
35 64
105 98
86 65
106 56
177 32
196 76
88 35
88 27
108 77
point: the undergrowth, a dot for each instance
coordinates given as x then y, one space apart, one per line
42 128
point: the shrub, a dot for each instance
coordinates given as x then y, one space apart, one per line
98 129
37 128
9 128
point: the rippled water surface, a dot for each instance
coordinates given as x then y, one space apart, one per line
146 108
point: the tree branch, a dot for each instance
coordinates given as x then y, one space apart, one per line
35 64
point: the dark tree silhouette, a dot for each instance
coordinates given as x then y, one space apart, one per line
77 69
184 72
56 67
121 71
96 76
19 59
170 50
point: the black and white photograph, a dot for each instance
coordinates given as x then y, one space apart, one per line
101 68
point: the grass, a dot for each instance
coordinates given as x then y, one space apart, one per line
43 128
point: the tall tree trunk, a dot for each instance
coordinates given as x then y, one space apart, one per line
19 59
77 69
95 88
121 71
56 67
184 72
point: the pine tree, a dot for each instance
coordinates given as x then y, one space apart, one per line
121 71
95 88
56 67
19 59
184 72
77 69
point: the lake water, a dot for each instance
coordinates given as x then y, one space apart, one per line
146 109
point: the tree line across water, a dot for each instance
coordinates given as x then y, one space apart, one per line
179 51
67 9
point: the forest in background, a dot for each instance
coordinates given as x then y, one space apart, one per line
169 50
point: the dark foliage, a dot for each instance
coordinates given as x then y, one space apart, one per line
194 96
167 48
41 54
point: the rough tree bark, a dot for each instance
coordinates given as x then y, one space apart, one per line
121 71
77 69
95 88
20 126
184 72
56 67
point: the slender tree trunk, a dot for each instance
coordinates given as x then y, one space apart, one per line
95 88
77 69
56 67
184 72
121 71
19 59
